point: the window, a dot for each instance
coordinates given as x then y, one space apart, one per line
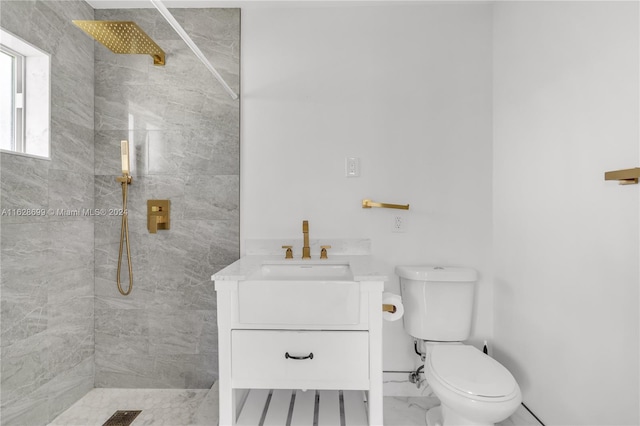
12 77
24 97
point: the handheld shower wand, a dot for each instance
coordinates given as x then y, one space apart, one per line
124 155
125 181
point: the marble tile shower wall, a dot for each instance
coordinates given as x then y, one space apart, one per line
185 133
47 263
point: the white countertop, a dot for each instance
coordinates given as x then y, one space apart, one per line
363 267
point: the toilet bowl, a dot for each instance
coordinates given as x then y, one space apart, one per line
474 389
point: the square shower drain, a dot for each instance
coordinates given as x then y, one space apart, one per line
122 418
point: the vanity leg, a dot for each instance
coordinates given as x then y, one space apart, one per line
227 409
374 399
375 359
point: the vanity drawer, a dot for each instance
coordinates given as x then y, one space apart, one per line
300 359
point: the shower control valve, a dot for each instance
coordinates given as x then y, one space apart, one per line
158 215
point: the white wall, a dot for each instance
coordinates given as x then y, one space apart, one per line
566 243
407 88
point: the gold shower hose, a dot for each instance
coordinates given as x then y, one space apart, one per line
124 236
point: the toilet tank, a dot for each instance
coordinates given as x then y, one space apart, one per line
438 301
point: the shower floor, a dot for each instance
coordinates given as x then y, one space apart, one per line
191 407
169 407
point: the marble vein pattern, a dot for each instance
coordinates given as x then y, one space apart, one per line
183 130
58 270
47 274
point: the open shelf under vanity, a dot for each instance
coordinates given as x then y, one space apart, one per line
298 408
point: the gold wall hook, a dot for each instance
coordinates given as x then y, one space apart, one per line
367 204
624 177
158 215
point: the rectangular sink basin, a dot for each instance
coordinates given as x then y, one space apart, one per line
300 293
303 272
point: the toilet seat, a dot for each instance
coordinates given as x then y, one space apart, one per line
468 372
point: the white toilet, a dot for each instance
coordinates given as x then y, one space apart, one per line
474 389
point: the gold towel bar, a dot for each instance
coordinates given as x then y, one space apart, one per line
367 204
389 308
625 177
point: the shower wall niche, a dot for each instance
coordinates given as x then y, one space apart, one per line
183 130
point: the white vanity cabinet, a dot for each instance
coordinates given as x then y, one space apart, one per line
279 337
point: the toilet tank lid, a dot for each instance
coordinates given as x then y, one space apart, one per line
437 273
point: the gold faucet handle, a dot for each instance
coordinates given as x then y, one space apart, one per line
323 252
289 253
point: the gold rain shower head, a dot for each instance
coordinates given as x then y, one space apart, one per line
123 37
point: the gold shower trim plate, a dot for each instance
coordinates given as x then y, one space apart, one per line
158 215
123 37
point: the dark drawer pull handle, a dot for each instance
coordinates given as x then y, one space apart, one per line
287 356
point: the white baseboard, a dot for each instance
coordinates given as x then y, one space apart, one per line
398 384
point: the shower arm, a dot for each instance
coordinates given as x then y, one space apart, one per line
178 28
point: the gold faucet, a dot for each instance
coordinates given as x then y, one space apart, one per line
306 250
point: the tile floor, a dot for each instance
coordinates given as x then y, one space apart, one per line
166 407
191 407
